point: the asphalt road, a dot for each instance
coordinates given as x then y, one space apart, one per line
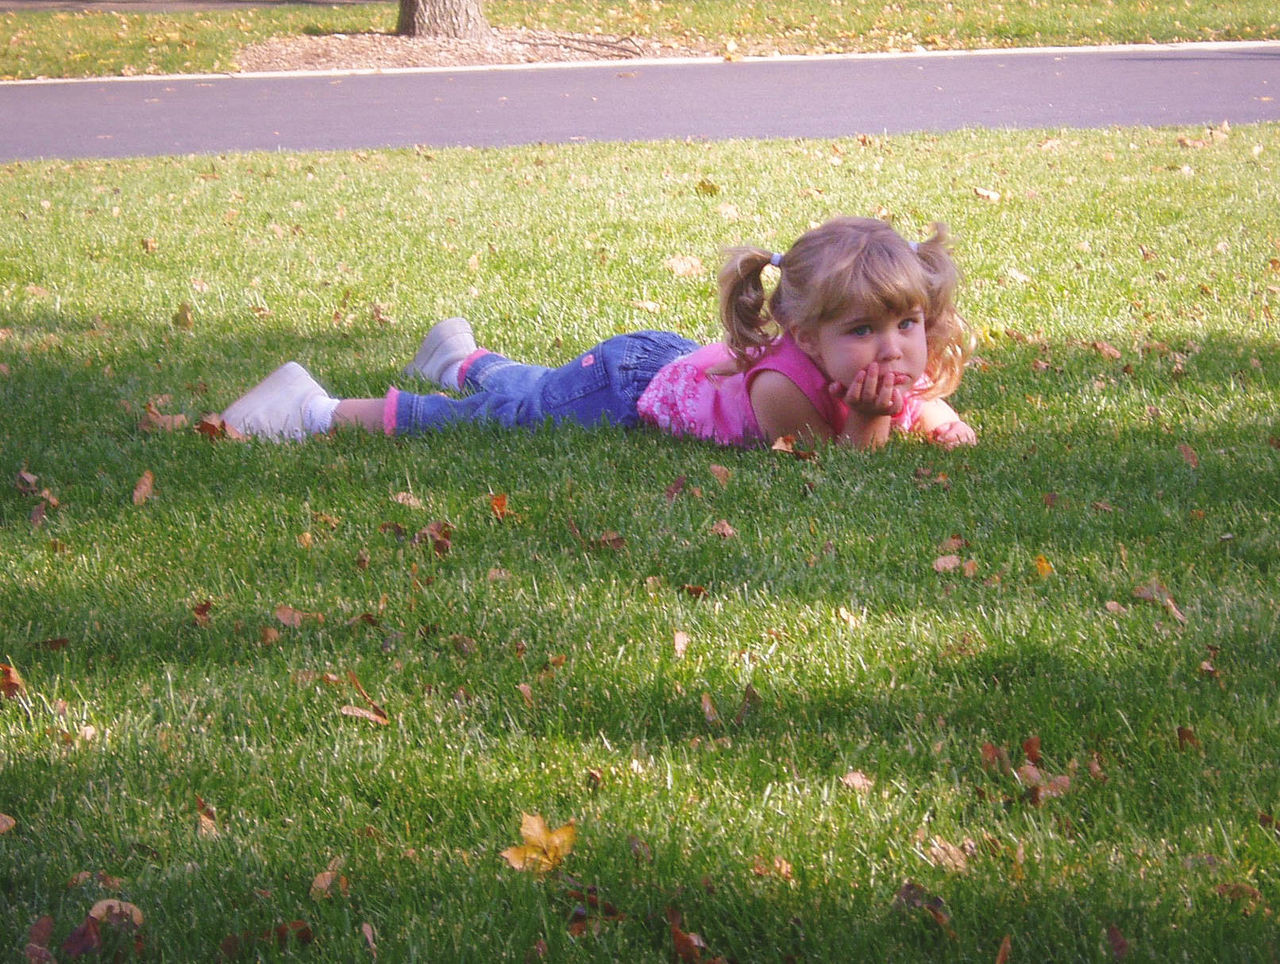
1193 84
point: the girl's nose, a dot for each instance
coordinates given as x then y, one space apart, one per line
889 348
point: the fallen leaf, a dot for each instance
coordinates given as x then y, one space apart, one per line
112 911
324 882
439 534
709 711
681 643
688 947
946 563
721 475
1119 946
1187 738
1031 747
11 683
723 529
409 499
1044 567
1006 950
987 194
7 823
235 945
526 692
684 266
787 444
858 781
208 824
85 939
675 488
367 930
543 849
144 488
948 856
200 613
184 317
155 420
1106 350
1154 592
750 700
1189 455
498 506
293 618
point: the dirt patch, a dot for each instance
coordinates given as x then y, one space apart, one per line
378 51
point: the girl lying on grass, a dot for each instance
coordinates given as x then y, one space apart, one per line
859 337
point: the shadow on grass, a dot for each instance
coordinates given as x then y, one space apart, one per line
826 602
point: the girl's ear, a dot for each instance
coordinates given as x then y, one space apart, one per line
805 340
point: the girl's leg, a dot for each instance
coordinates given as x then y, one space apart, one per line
365 413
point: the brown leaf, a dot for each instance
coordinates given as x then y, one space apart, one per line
1031 747
750 700
293 618
116 912
684 265
709 710
946 563
237 944
11 683
1189 455
145 488
378 712
1187 738
1119 946
1154 592
498 506
610 540
85 939
367 930
676 487
208 823
723 529
681 643
7 823
439 534
200 612
409 499
1006 950
688 947
324 882
948 856
526 692
858 781
1105 350
721 475
787 445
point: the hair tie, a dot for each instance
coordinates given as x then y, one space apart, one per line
775 259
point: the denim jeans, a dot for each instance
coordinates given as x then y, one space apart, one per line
604 384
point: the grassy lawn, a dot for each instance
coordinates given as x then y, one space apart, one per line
102 44
814 737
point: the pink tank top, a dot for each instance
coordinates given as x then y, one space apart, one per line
684 398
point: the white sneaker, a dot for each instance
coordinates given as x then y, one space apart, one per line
273 408
447 344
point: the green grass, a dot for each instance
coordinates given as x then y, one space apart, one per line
826 602
72 44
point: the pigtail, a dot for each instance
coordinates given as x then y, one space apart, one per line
747 323
948 335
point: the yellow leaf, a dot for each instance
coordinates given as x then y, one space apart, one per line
1043 566
543 848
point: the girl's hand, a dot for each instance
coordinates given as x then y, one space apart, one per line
951 434
874 392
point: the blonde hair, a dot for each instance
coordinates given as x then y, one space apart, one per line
858 265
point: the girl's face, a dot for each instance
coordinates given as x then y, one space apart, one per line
847 345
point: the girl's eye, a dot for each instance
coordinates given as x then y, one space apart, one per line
861 330
908 323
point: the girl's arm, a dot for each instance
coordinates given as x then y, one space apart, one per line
939 423
781 408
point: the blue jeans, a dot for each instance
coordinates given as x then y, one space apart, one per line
603 384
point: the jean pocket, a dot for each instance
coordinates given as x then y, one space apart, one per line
566 386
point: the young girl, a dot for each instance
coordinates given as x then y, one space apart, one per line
860 336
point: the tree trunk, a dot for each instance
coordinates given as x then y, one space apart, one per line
455 19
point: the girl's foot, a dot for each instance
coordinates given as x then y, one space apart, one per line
275 407
447 345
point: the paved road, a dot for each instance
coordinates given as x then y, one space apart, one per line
628 100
